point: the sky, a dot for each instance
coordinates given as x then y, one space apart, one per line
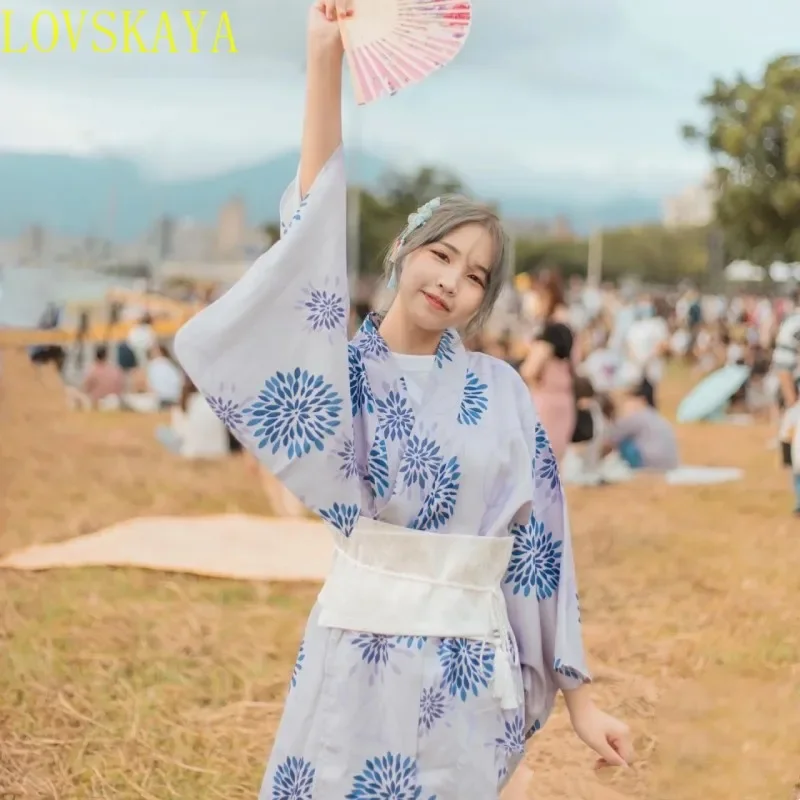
582 95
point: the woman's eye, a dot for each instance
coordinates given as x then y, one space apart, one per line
440 255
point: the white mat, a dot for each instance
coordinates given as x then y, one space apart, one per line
225 546
703 476
613 470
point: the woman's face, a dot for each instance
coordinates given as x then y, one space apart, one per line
442 285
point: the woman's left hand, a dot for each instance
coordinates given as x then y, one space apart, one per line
609 737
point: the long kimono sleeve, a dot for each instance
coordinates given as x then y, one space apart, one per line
270 355
540 585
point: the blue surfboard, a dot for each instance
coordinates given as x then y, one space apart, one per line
706 402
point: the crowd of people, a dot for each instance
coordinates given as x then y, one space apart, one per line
141 375
593 358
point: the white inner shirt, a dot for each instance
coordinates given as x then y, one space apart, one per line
416 370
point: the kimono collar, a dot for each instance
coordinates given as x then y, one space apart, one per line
373 346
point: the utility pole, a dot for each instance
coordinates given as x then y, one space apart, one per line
594 265
512 254
716 258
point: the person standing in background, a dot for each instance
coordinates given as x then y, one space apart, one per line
548 368
786 364
647 343
142 339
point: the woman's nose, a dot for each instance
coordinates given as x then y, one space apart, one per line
447 283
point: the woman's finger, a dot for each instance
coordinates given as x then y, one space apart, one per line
623 747
608 754
344 8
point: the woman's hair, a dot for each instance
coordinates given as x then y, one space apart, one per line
455 211
550 281
560 337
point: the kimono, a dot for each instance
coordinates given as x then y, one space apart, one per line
370 716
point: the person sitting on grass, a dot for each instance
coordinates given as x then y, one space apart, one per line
645 439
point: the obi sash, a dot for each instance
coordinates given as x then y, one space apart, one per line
393 581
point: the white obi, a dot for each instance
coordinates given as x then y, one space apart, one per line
394 581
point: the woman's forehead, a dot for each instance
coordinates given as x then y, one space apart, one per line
473 242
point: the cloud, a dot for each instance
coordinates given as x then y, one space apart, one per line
554 89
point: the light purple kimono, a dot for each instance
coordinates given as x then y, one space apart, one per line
372 717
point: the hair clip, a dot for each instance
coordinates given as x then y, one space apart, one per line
422 214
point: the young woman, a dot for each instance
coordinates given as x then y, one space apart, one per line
548 368
548 372
450 618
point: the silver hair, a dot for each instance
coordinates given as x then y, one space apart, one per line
453 212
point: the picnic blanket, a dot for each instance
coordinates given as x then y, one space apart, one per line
225 546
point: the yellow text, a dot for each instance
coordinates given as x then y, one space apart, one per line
107 31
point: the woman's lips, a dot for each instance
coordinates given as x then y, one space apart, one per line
434 301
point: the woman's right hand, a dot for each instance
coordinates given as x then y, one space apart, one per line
324 35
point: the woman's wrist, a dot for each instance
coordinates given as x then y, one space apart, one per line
578 700
327 55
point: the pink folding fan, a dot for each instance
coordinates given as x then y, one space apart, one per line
393 43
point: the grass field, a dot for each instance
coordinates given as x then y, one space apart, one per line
128 684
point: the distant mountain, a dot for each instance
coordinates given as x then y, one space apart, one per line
74 195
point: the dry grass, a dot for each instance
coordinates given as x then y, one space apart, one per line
128 684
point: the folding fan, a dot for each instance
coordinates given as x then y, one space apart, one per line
393 43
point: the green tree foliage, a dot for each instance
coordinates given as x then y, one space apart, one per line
650 252
754 136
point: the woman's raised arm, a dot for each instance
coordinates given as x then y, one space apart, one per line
271 354
322 125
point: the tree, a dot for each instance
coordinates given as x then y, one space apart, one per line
407 193
650 252
754 137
